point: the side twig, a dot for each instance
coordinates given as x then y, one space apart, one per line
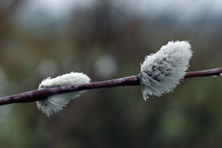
35 95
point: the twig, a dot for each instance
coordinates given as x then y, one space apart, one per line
36 95
202 73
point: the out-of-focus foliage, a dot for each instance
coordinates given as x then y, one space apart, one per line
33 48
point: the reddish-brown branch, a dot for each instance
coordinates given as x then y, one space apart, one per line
36 95
202 73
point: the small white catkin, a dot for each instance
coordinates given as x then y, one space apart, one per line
55 103
161 72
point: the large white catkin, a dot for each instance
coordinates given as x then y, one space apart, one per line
55 103
161 72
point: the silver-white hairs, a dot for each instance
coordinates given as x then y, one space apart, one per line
55 103
161 72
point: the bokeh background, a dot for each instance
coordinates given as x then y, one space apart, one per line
106 40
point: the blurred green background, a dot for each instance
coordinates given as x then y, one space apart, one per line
106 40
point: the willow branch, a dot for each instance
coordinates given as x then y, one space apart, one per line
202 73
35 95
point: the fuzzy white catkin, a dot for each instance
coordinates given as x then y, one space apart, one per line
161 72
55 103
